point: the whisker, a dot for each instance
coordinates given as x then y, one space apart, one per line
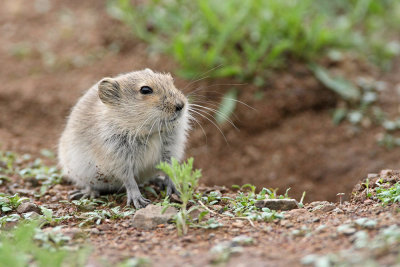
147 139
211 122
213 104
218 112
240 102
202 129
138 130
213 85
198 77
159 130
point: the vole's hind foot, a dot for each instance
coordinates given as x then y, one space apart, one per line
84 193
170 186
165 183
137 201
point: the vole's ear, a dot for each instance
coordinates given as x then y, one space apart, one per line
109 91
149 70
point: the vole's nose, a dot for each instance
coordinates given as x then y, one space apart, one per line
179 106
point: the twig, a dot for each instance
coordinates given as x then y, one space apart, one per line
204 206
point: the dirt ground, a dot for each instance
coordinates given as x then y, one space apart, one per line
51 55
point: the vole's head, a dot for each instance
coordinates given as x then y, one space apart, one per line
143 98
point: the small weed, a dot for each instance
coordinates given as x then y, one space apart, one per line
47 176
52 239
27 246
7 160
9 218
10 203
48 217
84 204
23 166
185 180
98 216
301 204
209 224
366 184
244 204
136 262
389 195
211 198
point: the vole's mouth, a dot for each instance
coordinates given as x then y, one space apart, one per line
176 116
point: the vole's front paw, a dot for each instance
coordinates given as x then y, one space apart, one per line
84 193
137 201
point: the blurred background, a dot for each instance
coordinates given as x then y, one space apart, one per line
313 87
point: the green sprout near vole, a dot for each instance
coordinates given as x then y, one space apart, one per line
185 180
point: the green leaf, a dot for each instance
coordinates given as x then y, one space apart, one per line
339 115
227 106
339 85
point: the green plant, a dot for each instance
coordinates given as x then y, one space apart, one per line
49 218
84 204
389 195
185 180
366 184
97 216
25 246
244 204
7 160
9 218
10 203
46 175
261 34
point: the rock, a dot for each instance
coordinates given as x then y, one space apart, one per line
315 219
337 210
346 229
31 215
149 217
27 207
368 202
277 204
372 175
324 207
73 232
170 227
238 224
386 173
25 192
366 223
94 231
299 215
358 188
194 214
242 240
287 224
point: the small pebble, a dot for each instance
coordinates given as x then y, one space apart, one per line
368 202
28 207
238 224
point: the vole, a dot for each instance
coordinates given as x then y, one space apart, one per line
119 130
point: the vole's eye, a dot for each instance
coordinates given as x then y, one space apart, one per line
145 90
